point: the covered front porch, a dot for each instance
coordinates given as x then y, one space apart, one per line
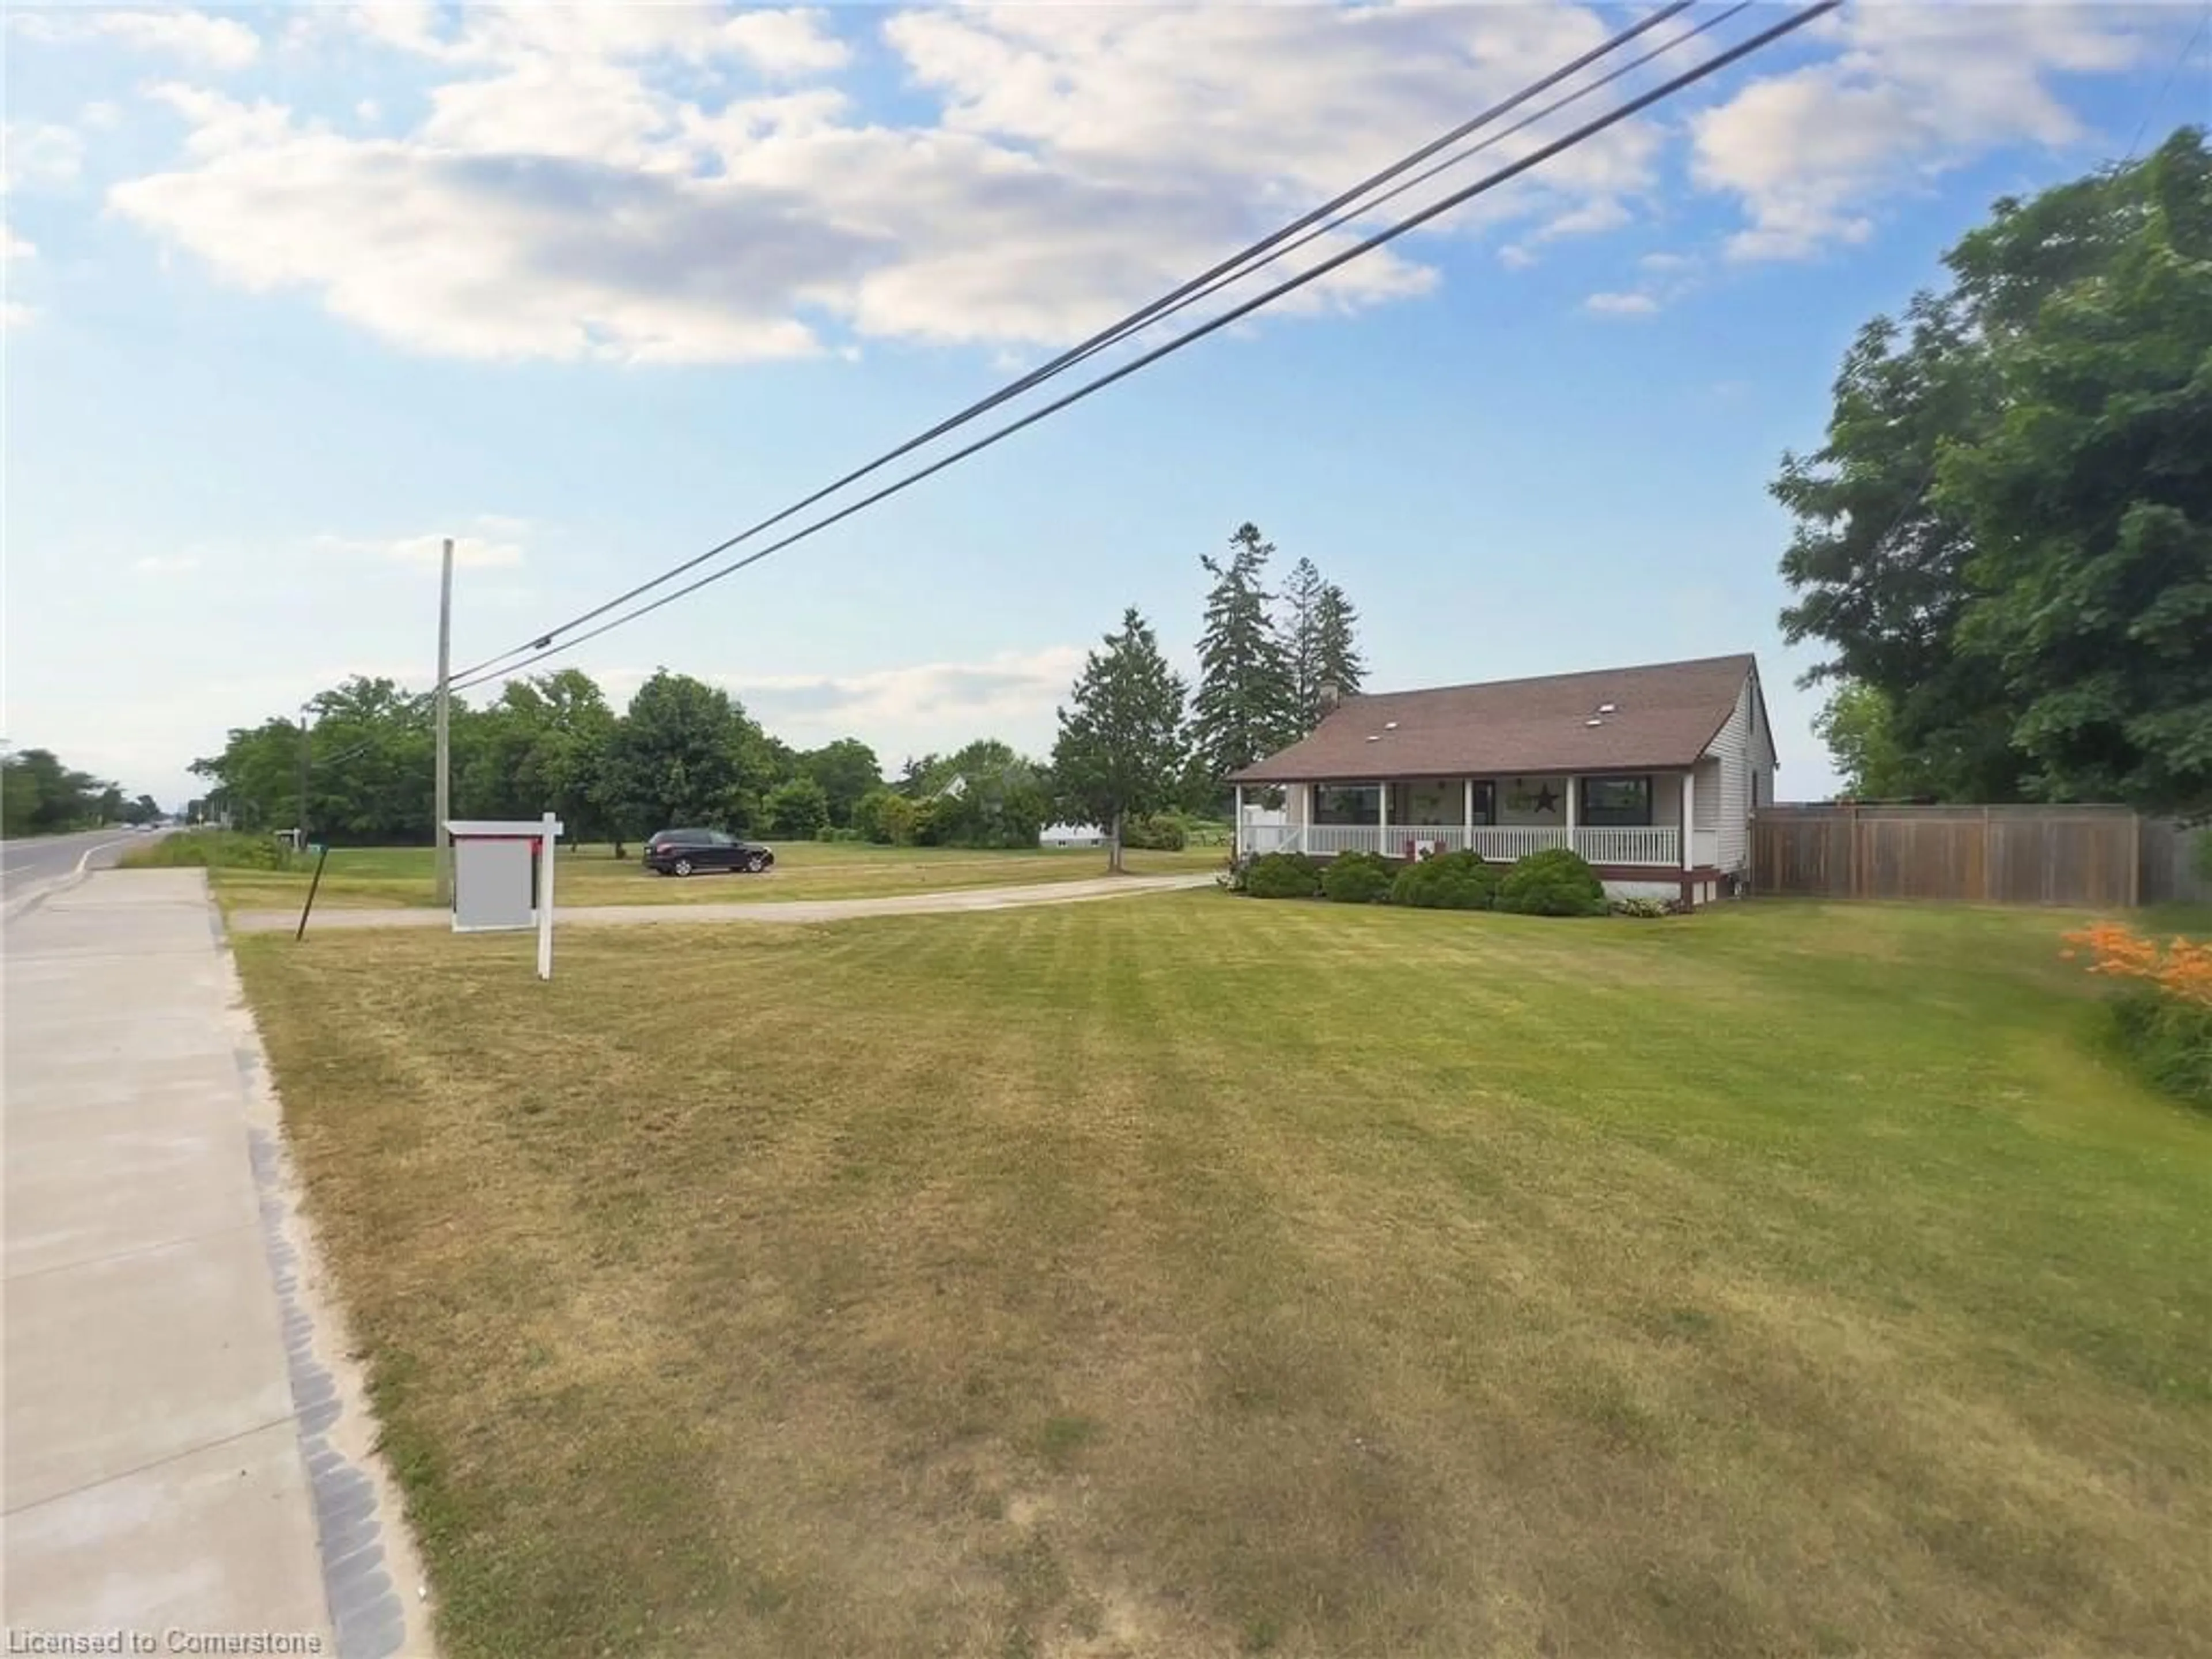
1645 820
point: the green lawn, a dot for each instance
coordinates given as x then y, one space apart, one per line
381 877
1191 1276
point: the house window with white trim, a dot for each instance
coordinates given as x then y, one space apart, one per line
1617 803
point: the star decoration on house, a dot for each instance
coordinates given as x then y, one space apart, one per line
1546 800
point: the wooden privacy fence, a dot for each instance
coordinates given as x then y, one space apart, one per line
2085 857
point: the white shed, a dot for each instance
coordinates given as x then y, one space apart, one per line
1071 834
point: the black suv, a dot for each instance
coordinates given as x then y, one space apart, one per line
685 852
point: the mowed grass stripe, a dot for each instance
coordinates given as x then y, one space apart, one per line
1186 1275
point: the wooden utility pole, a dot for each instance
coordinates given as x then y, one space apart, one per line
442 809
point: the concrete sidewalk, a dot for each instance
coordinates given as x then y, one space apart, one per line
787 911
183 1452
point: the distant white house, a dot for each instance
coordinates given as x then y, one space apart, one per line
1071 834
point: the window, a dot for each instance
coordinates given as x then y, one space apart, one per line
1342 803
1617 803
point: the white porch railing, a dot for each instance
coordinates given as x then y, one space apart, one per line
1501 843
1630 846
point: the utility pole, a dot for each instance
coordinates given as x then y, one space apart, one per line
300 835
444 857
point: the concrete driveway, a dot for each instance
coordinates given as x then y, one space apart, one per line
787 911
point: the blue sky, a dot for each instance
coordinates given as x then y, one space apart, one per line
295 291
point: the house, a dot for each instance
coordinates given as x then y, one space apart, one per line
1071 834
1651 774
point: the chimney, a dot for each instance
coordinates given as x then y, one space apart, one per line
1330 697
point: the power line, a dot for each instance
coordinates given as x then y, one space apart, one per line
1229 269
1490 182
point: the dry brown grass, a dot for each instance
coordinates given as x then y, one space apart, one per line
1190 1276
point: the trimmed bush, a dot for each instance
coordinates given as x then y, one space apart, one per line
1556 882
1358 878
1449 881
1161 833
1283 875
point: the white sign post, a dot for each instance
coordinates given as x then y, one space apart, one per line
545 896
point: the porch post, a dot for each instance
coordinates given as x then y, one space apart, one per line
1571 782
1468 814
1689 818
1383 817
1237 834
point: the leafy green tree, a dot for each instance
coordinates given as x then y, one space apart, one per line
796 809
1337 658
847 770
2091 494
1122 749
1856 724
2006 532
984 794
685 754
1246 706
44 796
886 817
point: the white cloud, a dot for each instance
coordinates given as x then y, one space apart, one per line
928 705
1665 264
1621 305
13 246
166 563
15 315
492 548
367 110
101 116
1915 89
32 156
570 195
1513 257
220 43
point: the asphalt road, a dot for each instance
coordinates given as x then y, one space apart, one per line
28 865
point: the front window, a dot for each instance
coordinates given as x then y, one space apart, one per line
1347 803
1617 803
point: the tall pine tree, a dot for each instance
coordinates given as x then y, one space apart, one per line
1247 705
1302 639
1337 660
1120 748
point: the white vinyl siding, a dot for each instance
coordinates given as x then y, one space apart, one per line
1730 755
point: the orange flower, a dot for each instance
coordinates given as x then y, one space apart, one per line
2181 967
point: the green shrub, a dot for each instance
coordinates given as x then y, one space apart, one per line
1555 882
1358 878
1642 907
1283 875
2168 1039
1449 881
1161 833
213 849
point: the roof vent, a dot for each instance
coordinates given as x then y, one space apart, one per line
1374 737
1605 709
1389 725
1593 721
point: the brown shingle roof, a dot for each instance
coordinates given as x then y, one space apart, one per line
1664 716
